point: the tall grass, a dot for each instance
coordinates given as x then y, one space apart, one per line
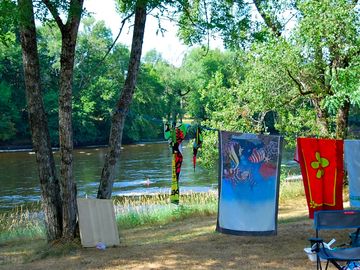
150 210
145 210
21 223
291 190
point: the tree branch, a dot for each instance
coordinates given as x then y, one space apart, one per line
273 25
193 23
187 92
207 28
75 11
299 85
117 37
54 12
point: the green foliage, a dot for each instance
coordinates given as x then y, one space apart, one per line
13 116
7 113
147 108
199 20
97 82
204 74
8 17
329 32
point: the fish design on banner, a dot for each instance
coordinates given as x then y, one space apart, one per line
257 155
242 157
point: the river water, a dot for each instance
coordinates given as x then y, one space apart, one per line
143 168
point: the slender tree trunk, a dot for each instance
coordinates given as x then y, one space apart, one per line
321 118
68 187
67 58
342 120
49 183
122 107
69 32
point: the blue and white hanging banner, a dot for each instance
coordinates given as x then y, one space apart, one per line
352 165
249 176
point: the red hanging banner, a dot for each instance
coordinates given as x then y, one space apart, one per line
321 163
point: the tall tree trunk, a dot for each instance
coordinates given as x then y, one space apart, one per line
342 118
49 184
321 118
69 32
122 107
68 187
69 35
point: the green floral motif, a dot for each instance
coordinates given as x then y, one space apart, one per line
319 164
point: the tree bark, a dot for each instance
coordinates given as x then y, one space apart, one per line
68 187
67 58
342 118
123 104
321 118
69 32
49 184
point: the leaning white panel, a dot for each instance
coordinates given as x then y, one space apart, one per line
97 222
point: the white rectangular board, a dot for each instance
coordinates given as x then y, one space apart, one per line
97 222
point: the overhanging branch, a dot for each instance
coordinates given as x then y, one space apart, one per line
299 85
54 12
118 35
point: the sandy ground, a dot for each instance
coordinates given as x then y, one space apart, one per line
188 244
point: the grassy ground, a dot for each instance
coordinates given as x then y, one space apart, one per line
185 243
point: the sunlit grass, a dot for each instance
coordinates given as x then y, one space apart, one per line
291 190
150 210
21 223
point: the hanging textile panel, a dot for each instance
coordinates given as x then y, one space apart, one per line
177 136
322 169
248 183
352 163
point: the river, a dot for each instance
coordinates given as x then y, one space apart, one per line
143 168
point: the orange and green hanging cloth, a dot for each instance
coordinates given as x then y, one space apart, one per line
322 169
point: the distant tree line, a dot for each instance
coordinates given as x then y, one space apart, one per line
300 82
95 88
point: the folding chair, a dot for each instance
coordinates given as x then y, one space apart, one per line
336 220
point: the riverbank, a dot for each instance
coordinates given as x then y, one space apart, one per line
190 243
